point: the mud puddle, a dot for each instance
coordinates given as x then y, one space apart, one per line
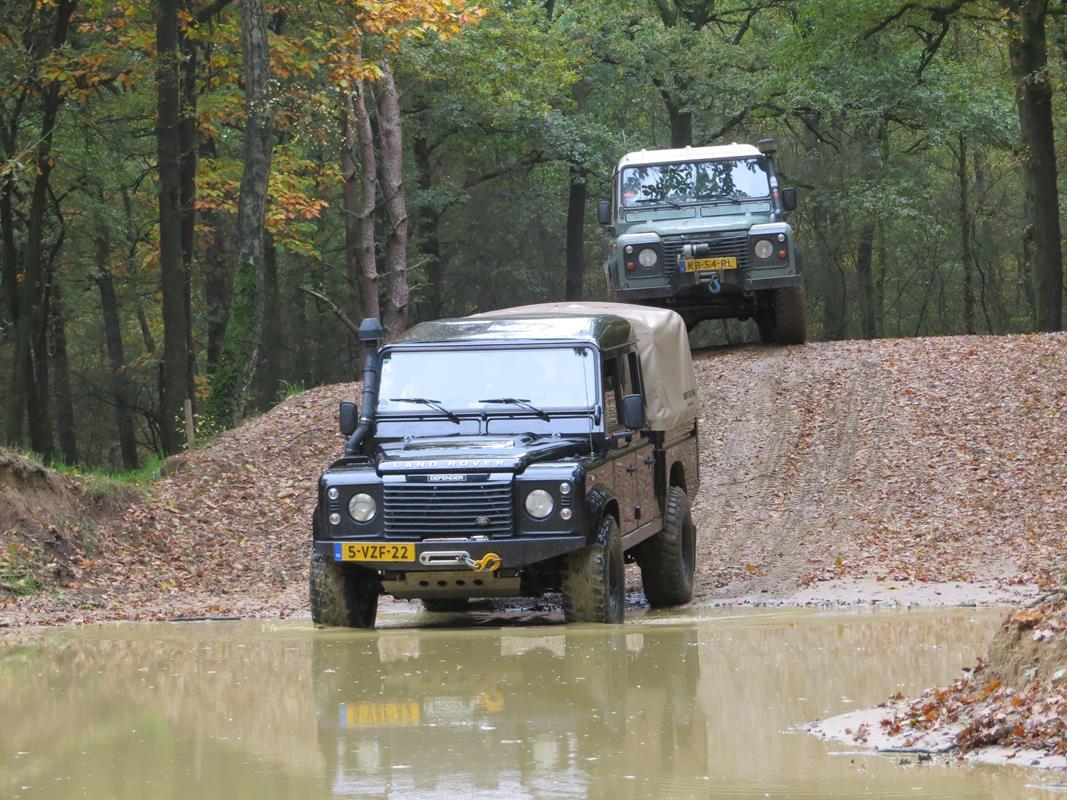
680 706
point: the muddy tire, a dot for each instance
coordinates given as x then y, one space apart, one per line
790 315
445 605
783 318
594 583
342 595
668 559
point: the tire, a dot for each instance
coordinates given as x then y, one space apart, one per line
445 605
594 582
790 315
342 595
668 559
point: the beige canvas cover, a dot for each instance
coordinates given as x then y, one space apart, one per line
662 346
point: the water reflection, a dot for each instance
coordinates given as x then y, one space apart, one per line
513 712
683 709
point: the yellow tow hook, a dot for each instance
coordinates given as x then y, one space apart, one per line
490 562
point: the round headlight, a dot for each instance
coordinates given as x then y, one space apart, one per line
539 504
362 507
764 249
648 257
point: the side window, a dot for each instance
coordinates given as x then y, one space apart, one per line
634 385
612 384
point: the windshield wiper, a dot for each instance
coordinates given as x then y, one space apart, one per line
658 200
434 404
518 401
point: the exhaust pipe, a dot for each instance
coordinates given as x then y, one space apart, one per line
370 335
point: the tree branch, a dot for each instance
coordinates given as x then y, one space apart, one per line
341 315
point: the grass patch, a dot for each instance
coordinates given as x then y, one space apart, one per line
17 574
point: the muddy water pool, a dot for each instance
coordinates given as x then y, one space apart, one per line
701 705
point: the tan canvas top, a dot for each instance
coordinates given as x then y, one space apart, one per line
662 346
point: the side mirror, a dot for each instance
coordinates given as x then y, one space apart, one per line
633 412
603 212
349 417
789 199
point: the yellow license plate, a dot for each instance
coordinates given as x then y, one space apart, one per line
705 264
361 715
353 551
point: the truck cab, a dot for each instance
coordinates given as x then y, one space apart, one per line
514 453
703 231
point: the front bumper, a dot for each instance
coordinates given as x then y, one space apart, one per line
514 553
697 285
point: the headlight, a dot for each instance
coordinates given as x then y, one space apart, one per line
648 257
362 507
539 504
764 249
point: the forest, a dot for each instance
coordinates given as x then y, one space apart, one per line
186 186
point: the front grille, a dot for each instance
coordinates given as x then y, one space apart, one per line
733 245
437 509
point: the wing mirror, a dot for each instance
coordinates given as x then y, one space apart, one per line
633 412
348 417
789 199
603 212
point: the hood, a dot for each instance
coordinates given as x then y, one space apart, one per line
466 453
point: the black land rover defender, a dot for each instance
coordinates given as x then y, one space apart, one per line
509 454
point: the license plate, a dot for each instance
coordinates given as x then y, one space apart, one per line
352 551
360 715
705 264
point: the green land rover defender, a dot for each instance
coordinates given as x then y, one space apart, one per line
702 230
509 454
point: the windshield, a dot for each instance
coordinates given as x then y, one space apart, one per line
459 380
694 182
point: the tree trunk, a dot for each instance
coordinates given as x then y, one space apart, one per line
175 373
64 397
240 349
120 384
865 280
1027 48
576 233
390 133
187 136
362 215
966 235
681 121
428 224
271 356
29 392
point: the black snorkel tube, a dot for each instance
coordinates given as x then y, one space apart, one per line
370 335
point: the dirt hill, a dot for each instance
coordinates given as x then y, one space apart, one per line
886 461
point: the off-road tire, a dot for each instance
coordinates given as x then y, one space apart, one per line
445 605
342 595
790 315
784 318
594 581
668 559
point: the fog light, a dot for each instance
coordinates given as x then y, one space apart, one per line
332 494
565 514
335 519
781 237
629 249
564 488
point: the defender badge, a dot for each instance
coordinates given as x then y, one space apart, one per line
481 522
